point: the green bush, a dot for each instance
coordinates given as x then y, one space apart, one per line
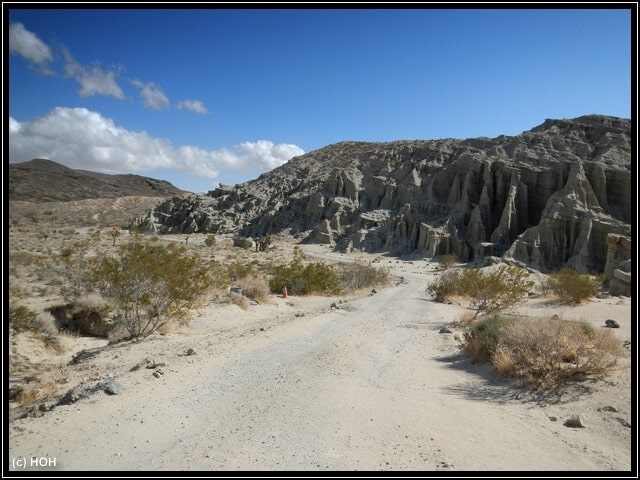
210 241
243 242
236 271
22 318
447 261
446 286
482 337
495 291
303 280
573 287
150 285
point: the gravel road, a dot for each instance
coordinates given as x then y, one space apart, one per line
370 386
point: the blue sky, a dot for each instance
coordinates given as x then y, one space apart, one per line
206 96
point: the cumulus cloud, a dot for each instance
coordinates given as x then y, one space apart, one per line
193 105
152 95
93 80
80 138
28 45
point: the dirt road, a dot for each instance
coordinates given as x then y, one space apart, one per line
370 386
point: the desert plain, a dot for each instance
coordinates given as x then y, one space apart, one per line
366 381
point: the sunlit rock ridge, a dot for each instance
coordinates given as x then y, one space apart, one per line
549 197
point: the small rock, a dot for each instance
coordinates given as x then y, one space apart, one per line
191 351
374 291
555 317
334 305
611 323
576 421
262 329
445 330
157 374
553 419
114 388
608 408
623 422
47 406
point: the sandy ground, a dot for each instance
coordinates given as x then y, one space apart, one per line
294 384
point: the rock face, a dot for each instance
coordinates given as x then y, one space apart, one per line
549 197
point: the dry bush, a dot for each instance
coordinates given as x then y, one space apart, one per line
544 352
46 323
35 392
355 276
466 318
256 288
240 300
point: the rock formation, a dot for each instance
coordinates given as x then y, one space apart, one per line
549 197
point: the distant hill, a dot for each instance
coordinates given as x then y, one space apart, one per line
42 180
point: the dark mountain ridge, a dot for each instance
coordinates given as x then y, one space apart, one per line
42 180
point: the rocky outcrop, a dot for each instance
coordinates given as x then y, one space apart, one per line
617 270
549 197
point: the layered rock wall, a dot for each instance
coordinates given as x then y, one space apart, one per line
549 197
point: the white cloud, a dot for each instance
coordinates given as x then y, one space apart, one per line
80 138
29 46
152 95
93 80
193 105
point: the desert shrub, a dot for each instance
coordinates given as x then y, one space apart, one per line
495 291
545 352
243 242
572 287
73 272
445 286
315 277
253 287
236 271
239 300
22 318
447 261
149 286
481 337
466 318
210 241
353 276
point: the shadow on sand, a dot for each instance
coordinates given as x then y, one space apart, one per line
494 388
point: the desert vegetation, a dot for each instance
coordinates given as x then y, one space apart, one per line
542 352
488 292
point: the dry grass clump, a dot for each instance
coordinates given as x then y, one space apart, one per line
355 276
254 287
34 391
466 318
542 352
240 300
545 352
